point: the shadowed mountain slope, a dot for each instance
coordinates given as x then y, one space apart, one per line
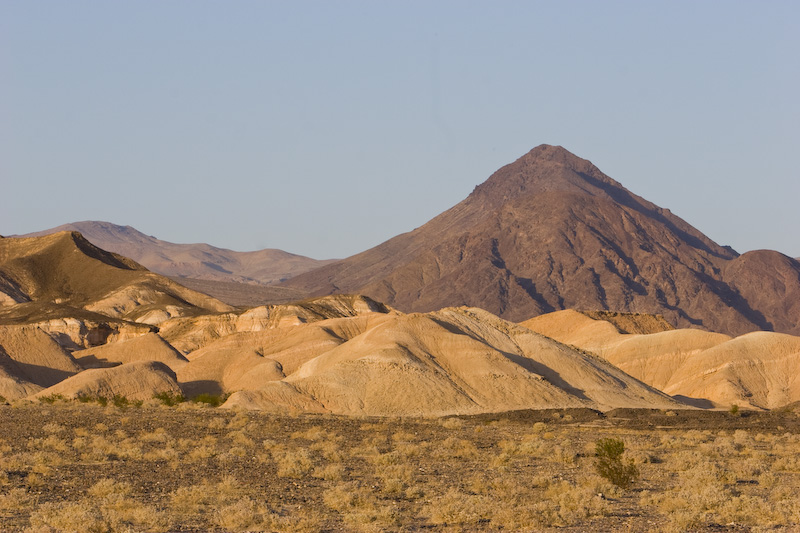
551 231
198 261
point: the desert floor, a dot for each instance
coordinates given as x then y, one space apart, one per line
69 466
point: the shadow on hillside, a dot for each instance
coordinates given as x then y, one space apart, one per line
202 386
700 403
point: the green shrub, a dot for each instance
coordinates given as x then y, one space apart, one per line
734 410
610 466
53 398
214 400
169 399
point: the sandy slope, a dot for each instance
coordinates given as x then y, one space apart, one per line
451 361
758 370
350 355
135 381
148 347
37 357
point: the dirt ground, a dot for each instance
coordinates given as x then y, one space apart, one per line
82 467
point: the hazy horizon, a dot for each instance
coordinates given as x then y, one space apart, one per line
324 129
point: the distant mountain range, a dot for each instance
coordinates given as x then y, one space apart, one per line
196 261
79 322
547 232
550 231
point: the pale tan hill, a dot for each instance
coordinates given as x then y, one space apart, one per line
275 397
135 381
655 358
247 359
756 370
575 329
12 385
191 333
148 347
37 357
61 273
198 261
760 370
451 361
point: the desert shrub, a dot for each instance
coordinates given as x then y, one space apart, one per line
452 423
347 496
609 463
107 487
456 508
217 423
403 436
52 442
214 400
501 460
15 499
329 450
73 516
169 399
292 463
460 448
52 398
734 410
568 504
372 518
330 472
123 402
53 427
240 437
396 479
242 515
314 433
240 419
157 435
191 499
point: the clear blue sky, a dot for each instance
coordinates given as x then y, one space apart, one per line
324 128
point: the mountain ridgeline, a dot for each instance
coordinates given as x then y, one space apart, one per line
550 231
193 261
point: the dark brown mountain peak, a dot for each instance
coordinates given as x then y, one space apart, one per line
557 155
544 169
551 231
